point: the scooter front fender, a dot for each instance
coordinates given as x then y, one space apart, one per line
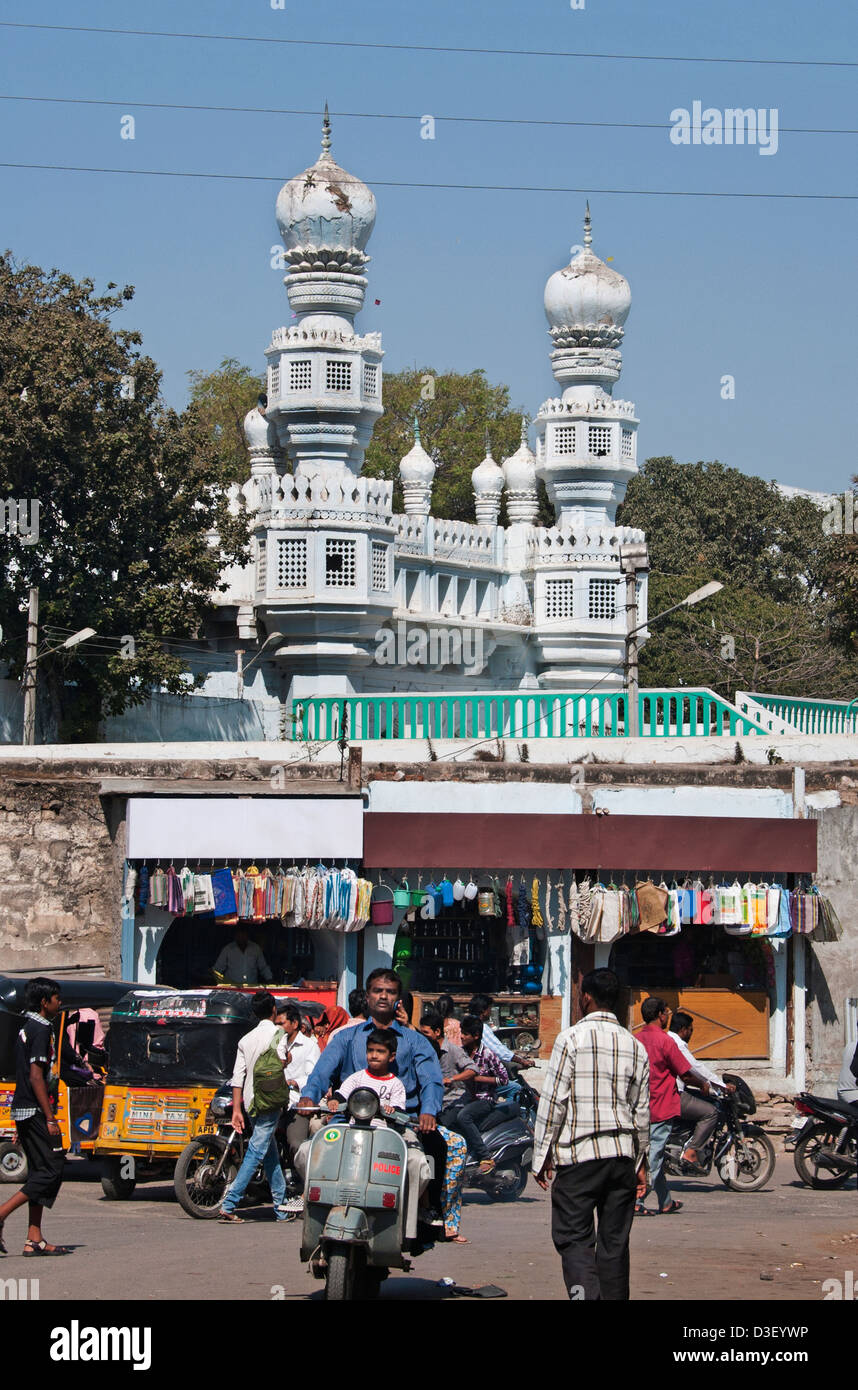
347 1224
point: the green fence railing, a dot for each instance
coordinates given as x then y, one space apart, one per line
518 714
812 716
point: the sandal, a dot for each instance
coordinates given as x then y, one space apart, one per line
230 1219
41 1247
641 1210
453 1238
487 1165
669 1211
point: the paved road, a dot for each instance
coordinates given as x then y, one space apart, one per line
715 1249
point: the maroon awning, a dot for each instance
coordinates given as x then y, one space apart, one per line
720 844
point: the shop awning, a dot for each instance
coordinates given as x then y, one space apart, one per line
719 844
200 828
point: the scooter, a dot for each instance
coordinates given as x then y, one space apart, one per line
825 1150
355 1199
508 1135
742 1154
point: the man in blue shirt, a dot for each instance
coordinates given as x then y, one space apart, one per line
416 1064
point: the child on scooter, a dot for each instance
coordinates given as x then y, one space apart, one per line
376 1075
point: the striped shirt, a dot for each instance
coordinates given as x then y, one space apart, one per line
595 1101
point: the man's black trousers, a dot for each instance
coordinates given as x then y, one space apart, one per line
595 1262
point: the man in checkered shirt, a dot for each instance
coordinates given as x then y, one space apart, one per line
591 1138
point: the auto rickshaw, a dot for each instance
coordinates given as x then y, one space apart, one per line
80 1069
171 1051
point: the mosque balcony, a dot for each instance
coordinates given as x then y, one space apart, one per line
280 500
455 543
557 547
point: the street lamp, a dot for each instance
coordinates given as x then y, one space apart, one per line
634 560
34 656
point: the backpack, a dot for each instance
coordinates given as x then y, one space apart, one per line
270 1087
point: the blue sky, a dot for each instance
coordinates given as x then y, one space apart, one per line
761 290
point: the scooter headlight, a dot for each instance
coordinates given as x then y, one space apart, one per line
363 1105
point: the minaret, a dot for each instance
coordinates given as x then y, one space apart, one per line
324 381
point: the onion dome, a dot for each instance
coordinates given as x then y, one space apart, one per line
519 470
417 473
487 482
587 293
325 214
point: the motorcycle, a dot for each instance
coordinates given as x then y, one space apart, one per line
742 1154
355 1200
209 1164
825 1151
508 1135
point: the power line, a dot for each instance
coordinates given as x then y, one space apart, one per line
431 48
393 115
457 187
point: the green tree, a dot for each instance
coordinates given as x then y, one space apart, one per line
129 494
705 521
223 398
454 410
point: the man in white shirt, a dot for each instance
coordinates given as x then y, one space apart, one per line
481 1007
241 961
301 1053
697 1111
263 1145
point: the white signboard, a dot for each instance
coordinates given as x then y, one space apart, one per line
267 827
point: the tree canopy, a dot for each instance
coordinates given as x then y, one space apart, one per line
223 398
768 630
129 493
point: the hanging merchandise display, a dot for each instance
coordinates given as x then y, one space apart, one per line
318 898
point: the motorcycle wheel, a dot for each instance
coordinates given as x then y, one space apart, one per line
115 1186
340 1276
755 1170
13 1163
198 1191
805 1157
509 1191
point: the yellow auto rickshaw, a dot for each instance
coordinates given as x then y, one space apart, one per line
78 1078
171 1051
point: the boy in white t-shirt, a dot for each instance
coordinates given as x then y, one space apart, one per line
376 1076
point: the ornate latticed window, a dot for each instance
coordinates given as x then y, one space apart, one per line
274 381
602 599
340 564
379 566
599 439
370 379
627 447
338 376
559 598
564 439
291 569
300 374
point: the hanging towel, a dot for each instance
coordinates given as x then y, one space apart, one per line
158 888
175 899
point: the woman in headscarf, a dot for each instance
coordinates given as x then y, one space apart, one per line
326 1025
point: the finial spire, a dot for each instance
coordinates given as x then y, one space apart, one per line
488 444
523 431
326 132
588 232
416 430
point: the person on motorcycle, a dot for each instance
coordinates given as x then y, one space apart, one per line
847 1083
481 1007
417 1067
694 1109
666 1065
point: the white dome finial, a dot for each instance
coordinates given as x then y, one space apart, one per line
588 228
326 133
417 473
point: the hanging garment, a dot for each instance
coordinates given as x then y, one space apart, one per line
130 886
246 885
186 881
143 888
535 913
561 909
158 888
175 898
223 891
203 893
510 915
652 905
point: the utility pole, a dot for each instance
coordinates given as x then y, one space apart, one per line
30 669
633 560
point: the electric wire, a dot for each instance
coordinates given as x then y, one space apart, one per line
430 48
393 116
456 187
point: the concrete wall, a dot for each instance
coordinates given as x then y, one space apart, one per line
833 966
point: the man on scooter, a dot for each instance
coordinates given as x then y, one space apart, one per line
416 1064
697 1111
